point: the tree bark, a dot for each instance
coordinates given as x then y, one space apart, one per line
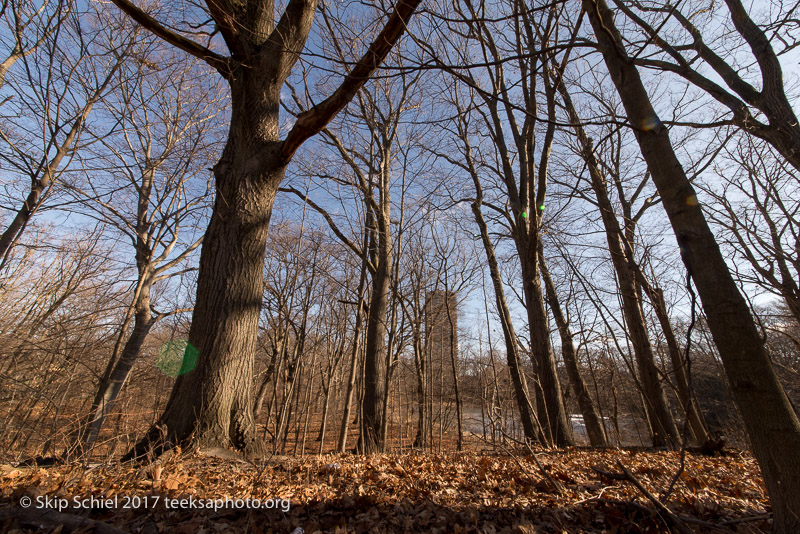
769 417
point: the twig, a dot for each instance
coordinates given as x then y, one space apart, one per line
682 527
643 508
558 485
608 474
598 497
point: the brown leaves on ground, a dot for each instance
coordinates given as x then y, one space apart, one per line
414 492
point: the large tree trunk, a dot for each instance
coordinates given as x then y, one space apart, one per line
212 403
662 426
771 422
594 426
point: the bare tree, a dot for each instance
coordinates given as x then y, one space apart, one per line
213 405
757 210
165 142
594 424
746 105
418 279
457 274
54 295
374 149
663 428
63 76
295 285
506 99
29 26
530 423
771 422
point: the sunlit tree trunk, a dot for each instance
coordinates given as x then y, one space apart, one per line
769 417
212 403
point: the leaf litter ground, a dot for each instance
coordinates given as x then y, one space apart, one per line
411 492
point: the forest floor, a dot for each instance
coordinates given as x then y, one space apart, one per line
573 490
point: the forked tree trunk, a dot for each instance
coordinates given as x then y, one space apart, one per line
771 422
527 235
594 425
550 403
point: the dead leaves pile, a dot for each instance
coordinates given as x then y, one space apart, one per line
413 492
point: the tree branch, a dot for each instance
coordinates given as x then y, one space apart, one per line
219 62
311 122
319 209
